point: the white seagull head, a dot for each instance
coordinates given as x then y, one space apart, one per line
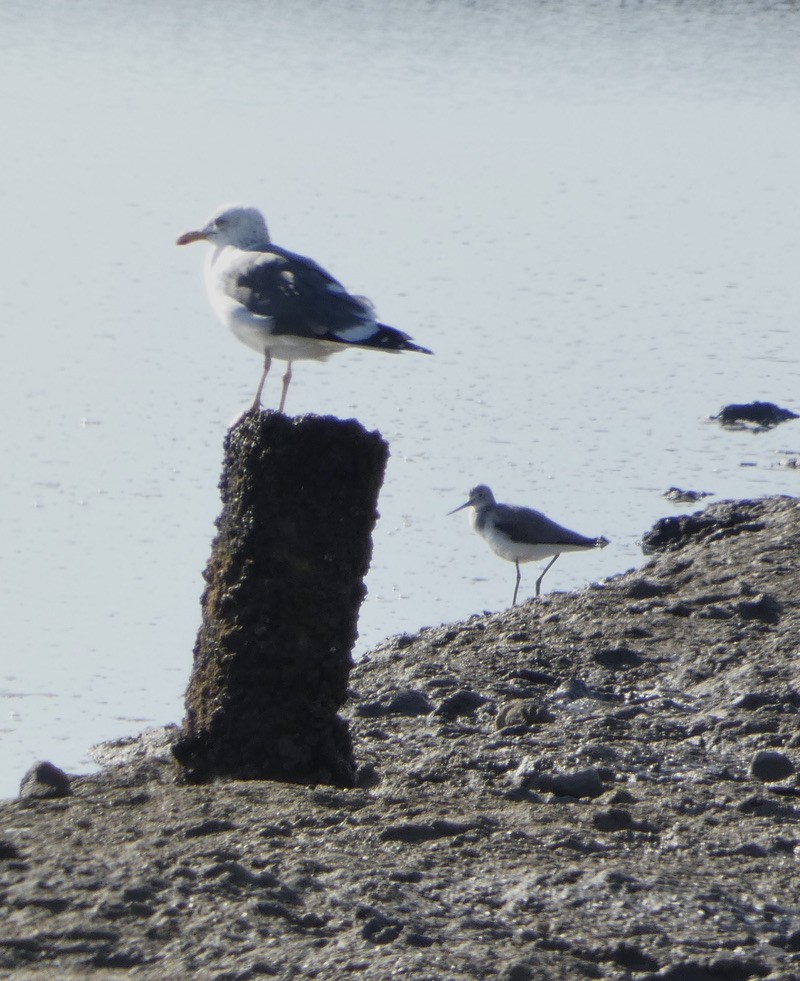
232 224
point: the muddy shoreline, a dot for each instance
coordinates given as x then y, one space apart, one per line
600 784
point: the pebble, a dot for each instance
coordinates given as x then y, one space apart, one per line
523 712
410 702
770 764
44 780
576 783
463 702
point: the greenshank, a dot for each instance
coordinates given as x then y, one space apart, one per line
522 534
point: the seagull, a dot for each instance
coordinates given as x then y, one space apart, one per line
522 534
279 303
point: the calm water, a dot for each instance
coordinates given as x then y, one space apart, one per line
589 212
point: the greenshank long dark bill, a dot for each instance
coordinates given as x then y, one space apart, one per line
281 304
522 534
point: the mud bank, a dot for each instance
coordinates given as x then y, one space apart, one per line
599 784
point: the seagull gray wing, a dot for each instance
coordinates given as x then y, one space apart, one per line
300 297
526 525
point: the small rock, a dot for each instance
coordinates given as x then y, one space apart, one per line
409 702
718 521
752 849
577 688
235 872
752 700
790 941
669 534
618 658
523 712
536 677
770 764
520 971
727 968
762 607
311 921
370 710
678 496
403 640
737 966
405 875
139 893
715 612
645 589
614 819
380 929
45 780
578 783
621 819
462 702
414 832
766 807
631 956
8 850
367 776
211 827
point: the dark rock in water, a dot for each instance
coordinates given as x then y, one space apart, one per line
770 764
678 496
284 585
759 416
45 780
716 522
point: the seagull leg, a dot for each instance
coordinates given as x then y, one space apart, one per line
286 379
539 580
516 588
257 400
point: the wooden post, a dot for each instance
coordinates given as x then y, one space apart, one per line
280 608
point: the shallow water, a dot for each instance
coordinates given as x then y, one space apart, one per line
589 213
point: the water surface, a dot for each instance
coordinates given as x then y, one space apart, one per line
589 212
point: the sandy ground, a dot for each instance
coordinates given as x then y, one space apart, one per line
593 785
